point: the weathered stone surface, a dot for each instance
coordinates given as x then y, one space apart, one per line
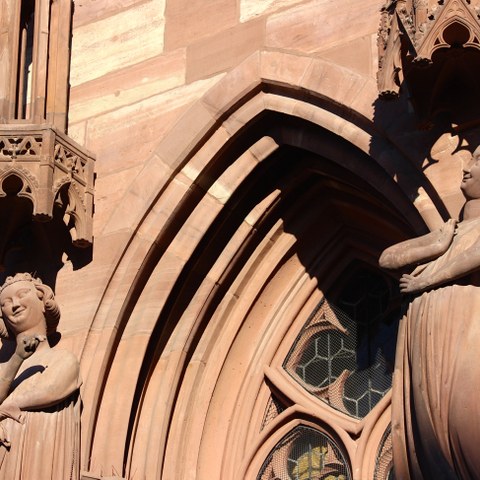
88 11
223 50
253 8
112 188
127 86
188 21
319 25
117 41
235 86
152 117
359 55
279 67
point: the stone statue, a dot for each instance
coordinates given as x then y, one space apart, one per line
435 405
39 388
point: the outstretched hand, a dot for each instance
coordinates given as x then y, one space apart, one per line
410 283
27 344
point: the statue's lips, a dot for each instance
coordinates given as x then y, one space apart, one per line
465 180
18 314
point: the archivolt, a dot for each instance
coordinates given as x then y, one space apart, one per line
246 185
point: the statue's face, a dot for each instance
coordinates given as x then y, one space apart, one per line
471 177
21 307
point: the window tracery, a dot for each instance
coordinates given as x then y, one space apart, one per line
384 462
342 359
305 454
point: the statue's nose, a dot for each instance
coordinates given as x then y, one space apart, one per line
468 164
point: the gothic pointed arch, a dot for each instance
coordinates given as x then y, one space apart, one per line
245 216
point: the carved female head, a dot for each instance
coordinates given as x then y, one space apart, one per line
25 301
470 185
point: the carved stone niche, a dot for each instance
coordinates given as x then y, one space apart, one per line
432 47
46 167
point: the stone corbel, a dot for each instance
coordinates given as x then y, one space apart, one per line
46 166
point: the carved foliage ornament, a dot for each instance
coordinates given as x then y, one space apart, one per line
417 29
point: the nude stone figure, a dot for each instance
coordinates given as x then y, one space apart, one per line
435 405
39 388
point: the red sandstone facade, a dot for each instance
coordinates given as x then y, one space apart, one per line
248 176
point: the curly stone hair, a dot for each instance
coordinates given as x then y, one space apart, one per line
45 293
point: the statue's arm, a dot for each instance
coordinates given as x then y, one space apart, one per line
462 264
419 250
8 370
49 387
26 346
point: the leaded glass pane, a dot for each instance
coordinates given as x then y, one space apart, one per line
305 454
344 354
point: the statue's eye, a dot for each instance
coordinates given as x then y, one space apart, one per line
22 293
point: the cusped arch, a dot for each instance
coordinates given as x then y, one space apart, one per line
457 32
29 185
292 423
456 25
271 106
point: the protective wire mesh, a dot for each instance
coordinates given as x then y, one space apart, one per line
384 463
305 454
346 359
274 408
